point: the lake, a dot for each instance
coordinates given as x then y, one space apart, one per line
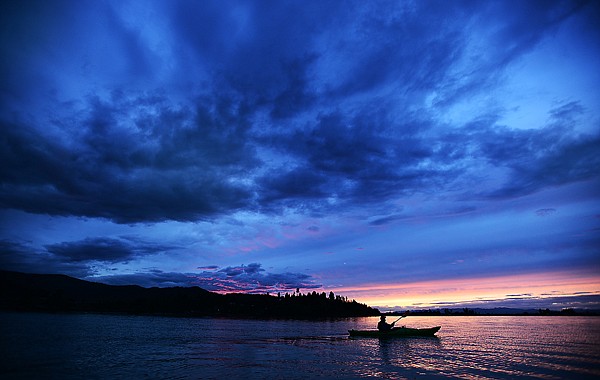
90 346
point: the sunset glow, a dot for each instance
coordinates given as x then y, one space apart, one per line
490 291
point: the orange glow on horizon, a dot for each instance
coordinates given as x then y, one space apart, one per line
444 293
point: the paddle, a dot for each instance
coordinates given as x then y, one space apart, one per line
403 315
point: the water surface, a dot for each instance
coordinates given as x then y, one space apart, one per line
69 346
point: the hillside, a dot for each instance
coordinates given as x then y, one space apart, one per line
60 293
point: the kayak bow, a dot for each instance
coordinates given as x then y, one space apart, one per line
398 331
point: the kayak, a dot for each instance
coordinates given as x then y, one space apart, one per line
397 331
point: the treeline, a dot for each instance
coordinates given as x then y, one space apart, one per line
296 305
566 311
59 293
314 294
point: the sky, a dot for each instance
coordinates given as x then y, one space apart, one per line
406 154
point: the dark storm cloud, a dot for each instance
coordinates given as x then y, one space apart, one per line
353 160
162 164
132 157
103 249
15 255
75 258
249 278
23 257
298 80
106 250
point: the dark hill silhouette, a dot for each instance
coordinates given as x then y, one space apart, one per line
60 293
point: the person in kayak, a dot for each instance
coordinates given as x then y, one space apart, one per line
384 326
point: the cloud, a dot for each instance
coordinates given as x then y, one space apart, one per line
107 250
101 249
340 161
97 50
251 269
80 258
14 255
525 160
386 219
545 211
23 257
571 160
137 160
249 278
148 279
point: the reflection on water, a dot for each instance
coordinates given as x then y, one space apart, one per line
394 358
105 346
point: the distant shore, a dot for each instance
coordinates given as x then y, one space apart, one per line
494 312
60 293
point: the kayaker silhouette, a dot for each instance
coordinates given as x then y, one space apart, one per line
384 326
